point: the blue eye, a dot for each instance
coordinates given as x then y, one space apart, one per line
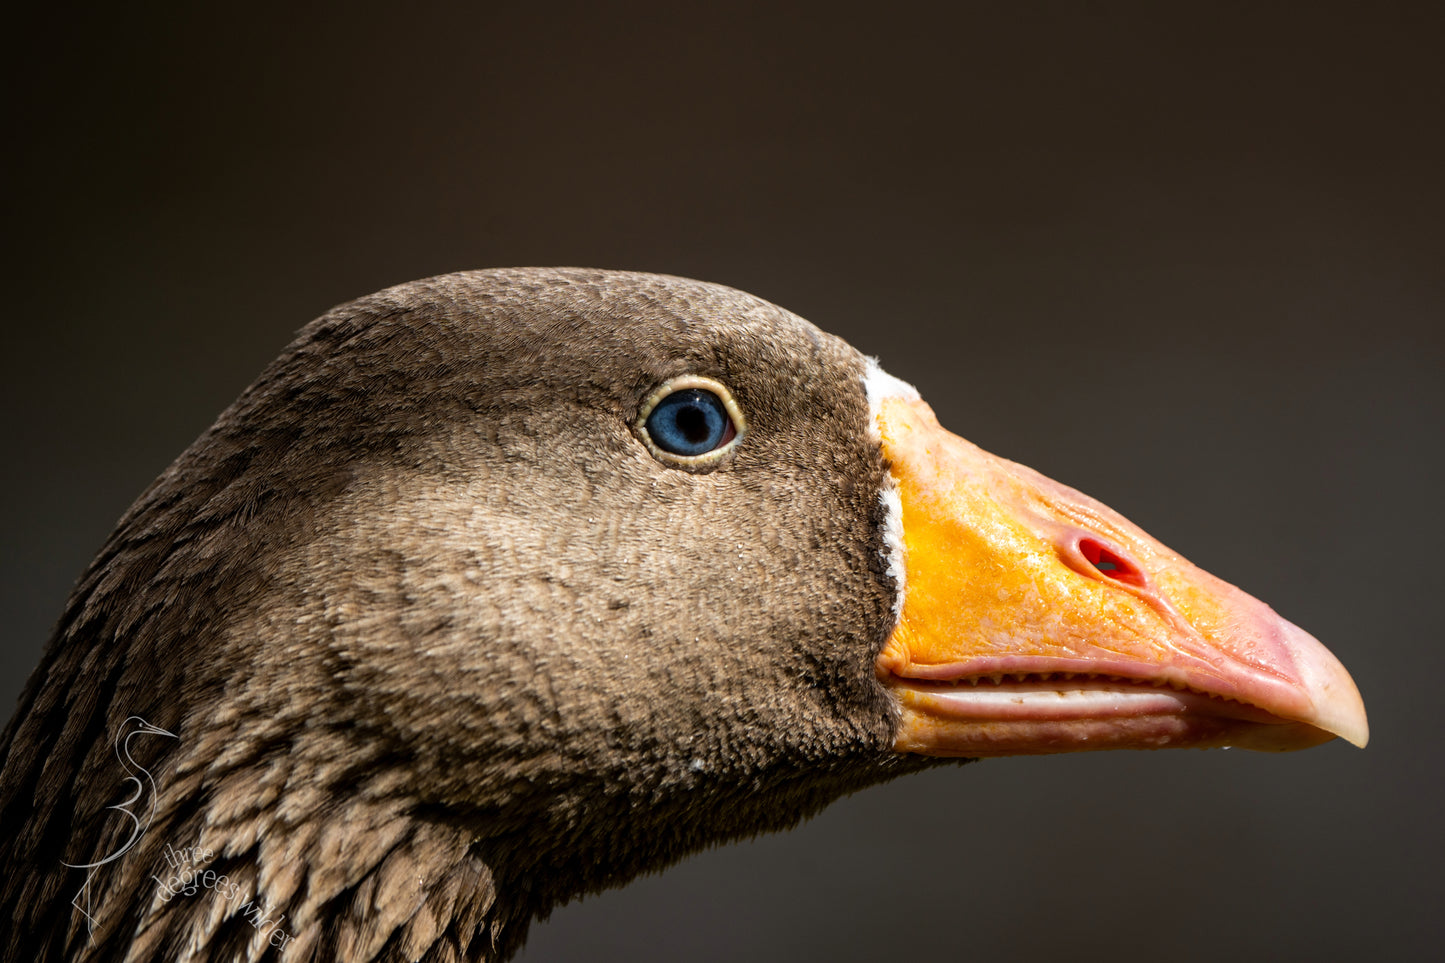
690 422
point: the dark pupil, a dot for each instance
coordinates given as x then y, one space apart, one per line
688 422
692 422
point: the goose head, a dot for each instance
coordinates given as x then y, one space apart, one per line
506 586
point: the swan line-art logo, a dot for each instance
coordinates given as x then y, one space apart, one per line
187 877
144 785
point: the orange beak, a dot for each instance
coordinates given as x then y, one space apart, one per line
1037 620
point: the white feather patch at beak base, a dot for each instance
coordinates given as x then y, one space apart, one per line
878 385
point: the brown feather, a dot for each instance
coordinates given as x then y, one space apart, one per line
441 645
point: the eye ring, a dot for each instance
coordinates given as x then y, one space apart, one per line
705 460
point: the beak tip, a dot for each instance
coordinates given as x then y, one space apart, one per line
1345 717
1335 702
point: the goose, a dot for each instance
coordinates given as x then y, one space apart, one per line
503 587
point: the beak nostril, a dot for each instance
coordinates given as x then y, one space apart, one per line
1110 563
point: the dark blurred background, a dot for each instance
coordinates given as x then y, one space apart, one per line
1185 257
